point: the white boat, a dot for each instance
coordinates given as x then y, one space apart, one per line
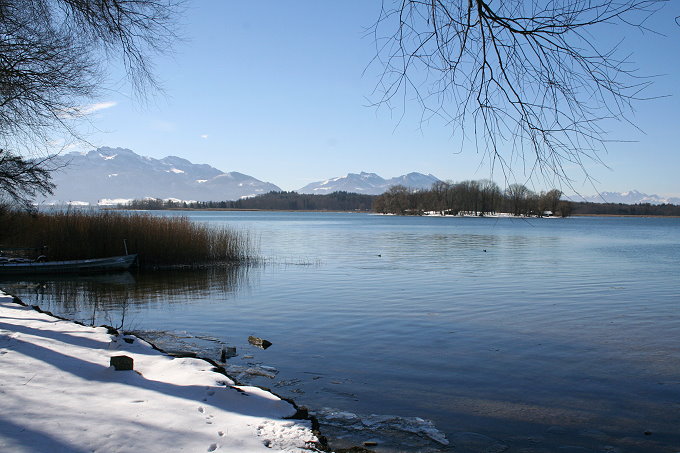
114 263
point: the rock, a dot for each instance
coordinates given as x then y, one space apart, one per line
227 353
260 372
122 362
259 342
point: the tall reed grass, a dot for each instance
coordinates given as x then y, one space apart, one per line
159 241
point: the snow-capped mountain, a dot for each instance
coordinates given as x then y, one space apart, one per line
119 173
414 180
368 183
630 197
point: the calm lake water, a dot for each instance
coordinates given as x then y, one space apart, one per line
431 334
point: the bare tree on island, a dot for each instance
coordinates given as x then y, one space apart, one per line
525 79
54 55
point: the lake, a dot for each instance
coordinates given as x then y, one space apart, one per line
430 334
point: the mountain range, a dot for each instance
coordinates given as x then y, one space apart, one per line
368 183
630 197
109 175
113 175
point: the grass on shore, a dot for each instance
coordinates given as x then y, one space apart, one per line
159 241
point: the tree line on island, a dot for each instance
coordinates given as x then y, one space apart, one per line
276 201
484 197
479 198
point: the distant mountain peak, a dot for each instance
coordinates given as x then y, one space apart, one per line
119 173
368 183
629 197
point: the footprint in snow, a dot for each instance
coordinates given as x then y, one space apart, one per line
212 447
200 409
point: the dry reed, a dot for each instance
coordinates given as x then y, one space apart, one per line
159 241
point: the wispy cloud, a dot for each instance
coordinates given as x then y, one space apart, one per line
89 109
204 136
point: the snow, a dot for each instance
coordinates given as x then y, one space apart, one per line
67 203
112 156
113 201
60 394
472 214
175 170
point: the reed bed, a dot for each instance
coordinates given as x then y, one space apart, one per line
159 241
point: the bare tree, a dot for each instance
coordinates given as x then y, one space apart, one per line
489 196
53 58
526 79
550 200
518 196
21 180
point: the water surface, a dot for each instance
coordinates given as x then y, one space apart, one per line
489 334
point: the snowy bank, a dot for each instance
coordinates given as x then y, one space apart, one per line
59 394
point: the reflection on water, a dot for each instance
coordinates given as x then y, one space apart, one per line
499 335
107 298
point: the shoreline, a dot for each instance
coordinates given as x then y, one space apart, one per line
498 215
640 216
263 422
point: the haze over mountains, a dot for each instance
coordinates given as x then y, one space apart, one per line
110 175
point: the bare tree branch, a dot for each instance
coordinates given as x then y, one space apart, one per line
53 58
525 77
21 180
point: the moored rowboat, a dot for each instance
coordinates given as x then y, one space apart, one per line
114 263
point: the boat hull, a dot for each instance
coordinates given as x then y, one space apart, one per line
111 264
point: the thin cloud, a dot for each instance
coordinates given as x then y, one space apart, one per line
84 110
89 109
204 136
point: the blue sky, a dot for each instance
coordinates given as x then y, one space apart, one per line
278 90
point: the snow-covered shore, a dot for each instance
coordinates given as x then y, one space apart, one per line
59 394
